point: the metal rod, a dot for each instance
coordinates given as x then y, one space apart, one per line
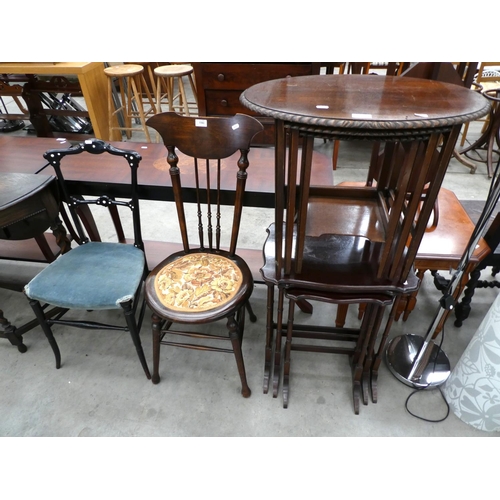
422 357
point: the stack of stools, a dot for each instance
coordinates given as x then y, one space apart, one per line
169 81
128 105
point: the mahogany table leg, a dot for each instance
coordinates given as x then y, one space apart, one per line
359 356
277 348
377 359
370 355
268 354
288 350
10 333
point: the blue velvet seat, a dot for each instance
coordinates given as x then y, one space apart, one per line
94 275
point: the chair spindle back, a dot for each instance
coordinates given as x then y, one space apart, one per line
207 146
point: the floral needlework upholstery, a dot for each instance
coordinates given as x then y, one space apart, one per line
198 282
473 388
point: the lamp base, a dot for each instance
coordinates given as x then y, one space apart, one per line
401 353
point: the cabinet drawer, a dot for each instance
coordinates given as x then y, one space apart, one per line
244 75
225 102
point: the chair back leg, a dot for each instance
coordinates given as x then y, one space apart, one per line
134 333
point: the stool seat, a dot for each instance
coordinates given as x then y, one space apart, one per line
173 70
124 70
167 76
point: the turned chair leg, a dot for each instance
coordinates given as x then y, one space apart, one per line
235 336
462 309
156 326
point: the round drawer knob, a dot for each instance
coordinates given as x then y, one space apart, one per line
224 102
220 77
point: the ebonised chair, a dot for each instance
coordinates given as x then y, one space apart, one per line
94 275
208 281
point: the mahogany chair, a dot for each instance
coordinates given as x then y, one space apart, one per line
207 281
95 275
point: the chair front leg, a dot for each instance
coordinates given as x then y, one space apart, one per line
40 316
235 336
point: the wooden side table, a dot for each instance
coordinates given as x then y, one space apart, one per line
28 206
413 125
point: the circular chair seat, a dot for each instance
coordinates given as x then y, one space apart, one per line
198 283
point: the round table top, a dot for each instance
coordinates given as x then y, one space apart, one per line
14 187
370 102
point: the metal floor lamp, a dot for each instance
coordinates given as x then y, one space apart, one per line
417 361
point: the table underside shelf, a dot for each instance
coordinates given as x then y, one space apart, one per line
347 211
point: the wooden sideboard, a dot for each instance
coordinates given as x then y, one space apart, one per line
219 85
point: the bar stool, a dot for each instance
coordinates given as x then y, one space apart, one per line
132 88
165 86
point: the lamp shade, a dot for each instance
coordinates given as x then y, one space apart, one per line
473 387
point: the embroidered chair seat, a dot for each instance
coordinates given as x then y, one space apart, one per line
198 282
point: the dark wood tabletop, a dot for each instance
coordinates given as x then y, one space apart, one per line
365 105
28 204
25 155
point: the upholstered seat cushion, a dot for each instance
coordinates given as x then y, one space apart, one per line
198 282
91 276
